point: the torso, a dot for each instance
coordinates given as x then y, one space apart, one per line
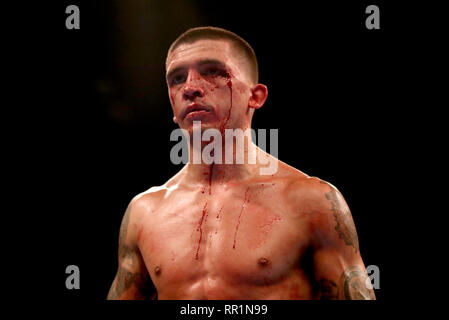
232 241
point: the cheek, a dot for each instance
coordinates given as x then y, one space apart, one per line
175 98
240 94
240 88
214 86
216 92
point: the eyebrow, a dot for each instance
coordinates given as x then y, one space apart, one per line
211 61
175 70
200 63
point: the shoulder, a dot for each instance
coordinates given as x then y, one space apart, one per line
312 190
138 208
304 189
311 195
316 196
147 201
328 213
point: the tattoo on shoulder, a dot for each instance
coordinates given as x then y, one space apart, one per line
345 225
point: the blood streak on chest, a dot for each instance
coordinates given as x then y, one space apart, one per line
218 214
208 172
200 230
246 200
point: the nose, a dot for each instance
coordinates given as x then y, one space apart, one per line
192 88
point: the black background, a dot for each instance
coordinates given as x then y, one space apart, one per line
101 120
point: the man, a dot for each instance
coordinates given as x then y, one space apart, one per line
225 231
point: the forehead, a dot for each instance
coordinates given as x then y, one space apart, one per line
191 53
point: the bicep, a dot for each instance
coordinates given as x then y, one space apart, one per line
341 277
338 267
132 281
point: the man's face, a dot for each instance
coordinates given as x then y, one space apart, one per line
208 81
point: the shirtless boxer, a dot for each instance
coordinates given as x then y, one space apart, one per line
225 231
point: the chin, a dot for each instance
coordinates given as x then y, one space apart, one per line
204 125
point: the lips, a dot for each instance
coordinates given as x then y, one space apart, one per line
195 107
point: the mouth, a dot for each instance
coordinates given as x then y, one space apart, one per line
195 109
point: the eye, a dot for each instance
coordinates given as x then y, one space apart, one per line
212 72
180 78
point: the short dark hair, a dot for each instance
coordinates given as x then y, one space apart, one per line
213 33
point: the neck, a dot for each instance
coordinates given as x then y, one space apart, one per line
226 164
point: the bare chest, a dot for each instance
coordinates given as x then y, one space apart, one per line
246 236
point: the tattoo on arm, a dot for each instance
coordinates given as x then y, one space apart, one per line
352 286
126 278
345 225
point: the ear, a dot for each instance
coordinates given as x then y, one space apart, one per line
175 120
259 94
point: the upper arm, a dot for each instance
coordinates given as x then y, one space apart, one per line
132 280
338 266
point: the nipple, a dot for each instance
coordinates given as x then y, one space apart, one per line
157 270
263 262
